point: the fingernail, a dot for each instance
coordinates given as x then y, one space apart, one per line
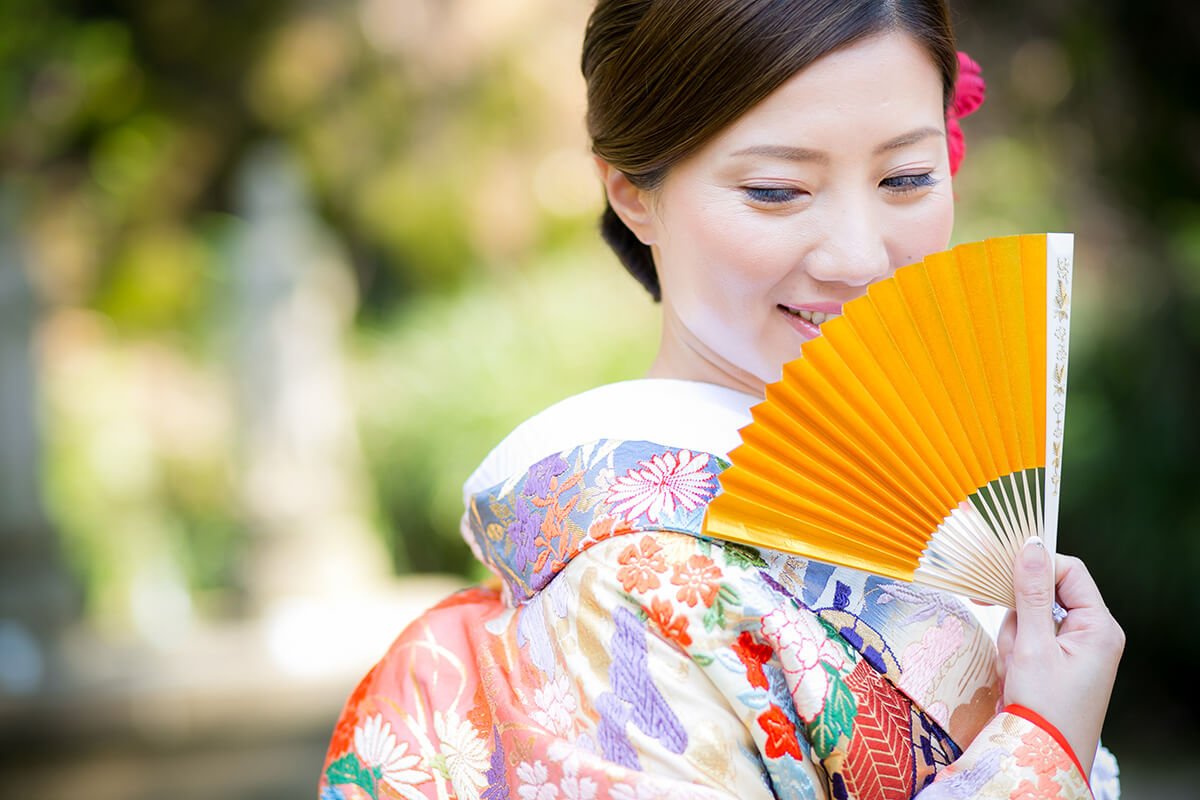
1033 554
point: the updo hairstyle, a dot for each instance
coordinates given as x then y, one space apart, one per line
665 76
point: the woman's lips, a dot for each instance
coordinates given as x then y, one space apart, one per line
807 319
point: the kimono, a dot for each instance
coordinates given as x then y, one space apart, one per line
621 654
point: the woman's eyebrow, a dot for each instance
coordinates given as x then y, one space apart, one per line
906 139
785 153
788 153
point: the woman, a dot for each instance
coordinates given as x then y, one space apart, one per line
764 162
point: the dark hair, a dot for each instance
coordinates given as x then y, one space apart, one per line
665 76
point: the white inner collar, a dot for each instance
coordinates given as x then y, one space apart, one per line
675 413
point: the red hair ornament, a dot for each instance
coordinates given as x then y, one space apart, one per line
969 90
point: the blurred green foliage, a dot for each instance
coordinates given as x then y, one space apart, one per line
442 141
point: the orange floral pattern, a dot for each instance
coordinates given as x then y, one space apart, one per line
781 734
1039 751
674 626
641 564
697 579
1046 788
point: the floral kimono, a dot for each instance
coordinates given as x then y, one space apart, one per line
621 654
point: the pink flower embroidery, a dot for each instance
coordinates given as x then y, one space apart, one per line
556 705
803 647
666 480
1039 751
535 782
1046 789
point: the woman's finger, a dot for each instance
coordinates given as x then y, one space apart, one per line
1076 588
1033 585
1004 642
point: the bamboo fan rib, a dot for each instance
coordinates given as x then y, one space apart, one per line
920 436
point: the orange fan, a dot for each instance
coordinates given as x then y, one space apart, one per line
920 436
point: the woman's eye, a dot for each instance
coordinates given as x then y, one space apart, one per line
902 184
771 195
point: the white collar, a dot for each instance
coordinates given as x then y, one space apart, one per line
675 413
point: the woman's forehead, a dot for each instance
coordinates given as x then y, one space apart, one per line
886 87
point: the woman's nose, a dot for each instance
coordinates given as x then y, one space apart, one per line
852 253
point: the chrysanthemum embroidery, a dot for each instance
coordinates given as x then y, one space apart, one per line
464 753
377 747
641 564
1039 751
664 482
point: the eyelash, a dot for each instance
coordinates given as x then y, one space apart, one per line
771 195
897 184
904 184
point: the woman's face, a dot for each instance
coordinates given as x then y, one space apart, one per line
831 183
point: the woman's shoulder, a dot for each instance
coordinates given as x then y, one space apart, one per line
682 414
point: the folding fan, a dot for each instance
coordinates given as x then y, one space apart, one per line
920 435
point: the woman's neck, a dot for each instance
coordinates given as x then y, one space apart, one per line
682 357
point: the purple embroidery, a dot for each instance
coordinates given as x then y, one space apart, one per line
970 782
611 731
634 698
929 602
841 596
875 659
523 532
537 482
497 783
852 637
838 784
559 593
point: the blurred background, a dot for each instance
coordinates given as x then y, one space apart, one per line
276 275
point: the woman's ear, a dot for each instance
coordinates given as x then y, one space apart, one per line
630 203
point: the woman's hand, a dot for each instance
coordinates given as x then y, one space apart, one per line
1065 676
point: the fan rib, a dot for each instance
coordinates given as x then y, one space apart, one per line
969 543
